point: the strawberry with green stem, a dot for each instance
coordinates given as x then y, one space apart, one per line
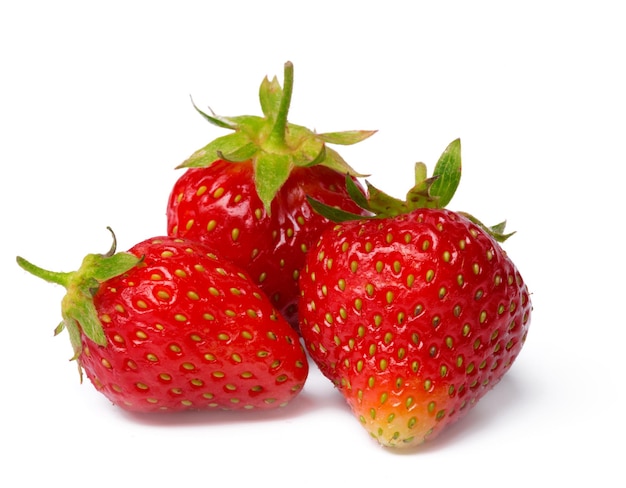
414 313
244 194
168 326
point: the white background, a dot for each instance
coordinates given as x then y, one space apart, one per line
95 114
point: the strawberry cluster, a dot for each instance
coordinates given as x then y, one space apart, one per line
276 253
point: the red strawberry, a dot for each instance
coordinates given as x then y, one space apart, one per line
167 326
414 314
244 194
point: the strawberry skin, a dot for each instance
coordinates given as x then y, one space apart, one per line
414 318
219 206
182 329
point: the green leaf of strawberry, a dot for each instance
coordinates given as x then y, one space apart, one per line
447 174
271 172
435 191
77 306
274 145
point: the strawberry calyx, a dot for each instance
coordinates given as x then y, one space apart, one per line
434 191
77 307
272 144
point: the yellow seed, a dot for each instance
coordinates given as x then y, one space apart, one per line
410 279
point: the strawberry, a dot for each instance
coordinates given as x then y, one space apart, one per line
244 194
167 326
415 313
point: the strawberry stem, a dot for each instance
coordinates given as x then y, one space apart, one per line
77 306
57 278
276 139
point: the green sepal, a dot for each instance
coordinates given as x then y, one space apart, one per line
270 172
334 214
270 96
271 138
333 160
496 231
447 174
321 156
239 155
223 122
435 191
382 204
357 195
77 306
346 138
420 196
225 145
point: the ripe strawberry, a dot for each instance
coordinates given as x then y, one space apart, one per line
167 326
413 314
244 194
